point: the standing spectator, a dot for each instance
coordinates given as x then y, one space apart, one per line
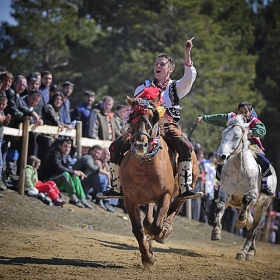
199 186
41 142
67 89
101 122
31 101
56 168
53 89
19 84
118 117
46 81
4 120
82 111
6 79
33 83
18 111
32 186
210 170
97 178
54 105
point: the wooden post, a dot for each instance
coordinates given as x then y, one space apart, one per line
189 209
24 153
78 138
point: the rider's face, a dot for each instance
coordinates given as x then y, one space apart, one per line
244 111
162 69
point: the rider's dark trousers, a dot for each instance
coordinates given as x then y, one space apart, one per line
172 136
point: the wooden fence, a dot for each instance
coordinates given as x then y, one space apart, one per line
24 130
79 141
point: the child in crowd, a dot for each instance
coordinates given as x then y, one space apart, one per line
32 186
4 120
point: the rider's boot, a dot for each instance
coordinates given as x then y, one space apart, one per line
216 191
115 191
265 188
185 181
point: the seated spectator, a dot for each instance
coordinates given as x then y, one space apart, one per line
97 178
82 111
101 122
32 186
56 168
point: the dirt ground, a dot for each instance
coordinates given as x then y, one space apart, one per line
43 242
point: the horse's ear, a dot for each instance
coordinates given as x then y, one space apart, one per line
156 116
129 100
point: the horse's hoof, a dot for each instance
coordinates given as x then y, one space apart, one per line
240 256
160 240
148 261
216 236
250 255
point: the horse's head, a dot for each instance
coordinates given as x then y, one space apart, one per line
144 118
234 139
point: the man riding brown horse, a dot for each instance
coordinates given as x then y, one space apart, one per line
172 92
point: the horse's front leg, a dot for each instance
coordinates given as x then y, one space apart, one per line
157 227
149 218
217 226
138 231
245 218
162 209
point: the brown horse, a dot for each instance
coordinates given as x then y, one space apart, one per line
147 178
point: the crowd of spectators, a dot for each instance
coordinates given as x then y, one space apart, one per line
51 165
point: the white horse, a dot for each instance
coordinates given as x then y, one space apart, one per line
241 180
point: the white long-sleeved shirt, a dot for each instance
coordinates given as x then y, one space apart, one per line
183 86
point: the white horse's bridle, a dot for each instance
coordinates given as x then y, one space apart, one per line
234 153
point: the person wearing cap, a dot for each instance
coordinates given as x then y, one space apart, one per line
46 81
67 89
82 111
172 91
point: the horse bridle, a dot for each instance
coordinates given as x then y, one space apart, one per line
155 130
241 140
144 132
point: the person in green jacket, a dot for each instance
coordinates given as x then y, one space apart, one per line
256 129
32 186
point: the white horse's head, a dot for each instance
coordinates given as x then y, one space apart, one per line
234 139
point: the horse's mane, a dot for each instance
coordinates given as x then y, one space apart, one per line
239 119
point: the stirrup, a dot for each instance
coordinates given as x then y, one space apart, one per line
111 193
190 194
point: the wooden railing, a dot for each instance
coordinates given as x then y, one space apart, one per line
24 130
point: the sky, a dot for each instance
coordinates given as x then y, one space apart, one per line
5 11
